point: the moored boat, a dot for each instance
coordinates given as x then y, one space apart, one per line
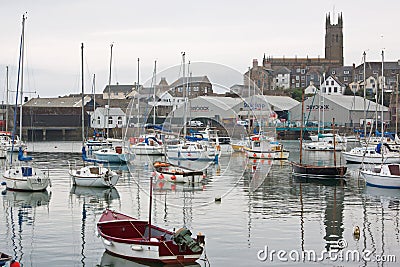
385 175
4 258
371 154
130 238
318 171
93 176
23 176
177 174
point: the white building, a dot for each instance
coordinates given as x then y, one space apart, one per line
332 86
103 118
282 78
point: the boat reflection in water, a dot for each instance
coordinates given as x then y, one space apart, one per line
256 172
20 210
94 199
333 211
108 260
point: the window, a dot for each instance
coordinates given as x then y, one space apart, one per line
303 71
311 77
324 90
297 77
303 85
298 70
375 72
297 85
335 89
110 120
292 80
119 120
98 120
327 82
345 79
277 80
332 83
346 72
303 78
333 72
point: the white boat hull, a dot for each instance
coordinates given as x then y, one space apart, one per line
260 155
147 150
85 177
36 180
375 159
190 155
146 252
379 180
109 155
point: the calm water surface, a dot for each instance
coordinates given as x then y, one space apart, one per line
280 212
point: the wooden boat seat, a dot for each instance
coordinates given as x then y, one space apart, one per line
394 169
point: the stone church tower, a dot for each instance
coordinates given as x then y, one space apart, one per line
334 39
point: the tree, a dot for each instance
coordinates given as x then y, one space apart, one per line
296 94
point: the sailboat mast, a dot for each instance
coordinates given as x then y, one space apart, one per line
150 204
334 142
382 87
20 70
365 103
138 95
301 126
82 100
22 75
184 96
154 92
109 91
397 99
7 91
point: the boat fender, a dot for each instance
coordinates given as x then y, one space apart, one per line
269 155
107 242
254 155
3 183
262 155
173 177
161 176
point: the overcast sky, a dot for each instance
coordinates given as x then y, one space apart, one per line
229 33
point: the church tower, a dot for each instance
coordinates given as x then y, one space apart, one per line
334 39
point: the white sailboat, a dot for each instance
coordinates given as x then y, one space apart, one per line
385 175
94 176
190 150
381 153
22 175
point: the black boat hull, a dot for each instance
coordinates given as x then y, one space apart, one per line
319 171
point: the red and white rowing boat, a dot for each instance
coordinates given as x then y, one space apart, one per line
134 239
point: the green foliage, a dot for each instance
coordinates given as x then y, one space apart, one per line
296 94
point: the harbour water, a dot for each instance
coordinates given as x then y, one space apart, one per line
256 215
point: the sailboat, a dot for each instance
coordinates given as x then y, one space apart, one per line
115 153
130 238
22 175
385 175
190 150
299 168
376 154
91 175
324 141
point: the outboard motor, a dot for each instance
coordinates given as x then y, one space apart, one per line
184 237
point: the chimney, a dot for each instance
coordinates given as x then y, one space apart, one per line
255 63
